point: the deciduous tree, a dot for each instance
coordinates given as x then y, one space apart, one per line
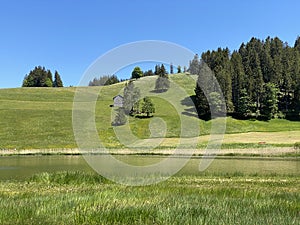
148 107
136 73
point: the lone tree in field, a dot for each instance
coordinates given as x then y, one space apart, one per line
171 69
120 118
136 73
148 106
162 83
57 80
131 97
178 69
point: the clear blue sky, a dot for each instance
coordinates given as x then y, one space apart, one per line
68 35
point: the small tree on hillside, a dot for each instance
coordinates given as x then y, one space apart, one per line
131 96
178 69
57 80
162 83
171 68
148 106
120 118
136 73
162 71
157 69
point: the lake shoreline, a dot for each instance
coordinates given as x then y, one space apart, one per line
249 152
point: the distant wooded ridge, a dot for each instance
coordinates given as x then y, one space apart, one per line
260 79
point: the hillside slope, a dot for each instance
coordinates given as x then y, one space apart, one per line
41 118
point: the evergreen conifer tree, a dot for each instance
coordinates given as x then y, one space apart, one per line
57 80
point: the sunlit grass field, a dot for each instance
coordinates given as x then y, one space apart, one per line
41 118
85 198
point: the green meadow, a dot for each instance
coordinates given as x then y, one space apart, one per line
41 118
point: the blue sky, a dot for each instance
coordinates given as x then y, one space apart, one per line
69 35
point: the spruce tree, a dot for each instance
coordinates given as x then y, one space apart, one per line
286 84
194 65
266 61
131 96
162 71
204 86
171 69
276 54
178 69
269 106
256 78
157 69
238 78
162 83
120 118
244 108
219 62
57 80
295 73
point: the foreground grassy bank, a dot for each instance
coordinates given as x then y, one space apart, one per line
80 198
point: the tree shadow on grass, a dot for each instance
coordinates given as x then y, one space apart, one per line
143 116
192 111
159 91
190 103
293 116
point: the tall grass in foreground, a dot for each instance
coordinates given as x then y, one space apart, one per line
81 198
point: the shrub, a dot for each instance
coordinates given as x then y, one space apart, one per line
297 145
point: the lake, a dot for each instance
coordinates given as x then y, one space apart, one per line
22 167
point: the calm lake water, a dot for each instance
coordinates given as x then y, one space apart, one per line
22 167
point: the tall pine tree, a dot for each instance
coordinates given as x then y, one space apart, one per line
238 78
57 80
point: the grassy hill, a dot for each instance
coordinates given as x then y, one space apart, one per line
41 118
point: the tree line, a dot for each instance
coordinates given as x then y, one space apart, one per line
104 80
40 77
137 73
261 79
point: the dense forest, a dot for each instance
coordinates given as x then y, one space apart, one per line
261 79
